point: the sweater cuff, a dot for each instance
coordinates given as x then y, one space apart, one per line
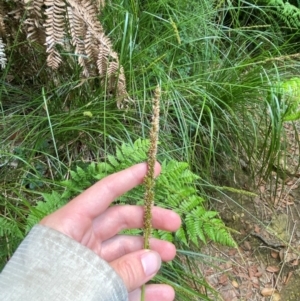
49 265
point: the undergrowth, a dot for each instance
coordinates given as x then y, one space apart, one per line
226 69
175 189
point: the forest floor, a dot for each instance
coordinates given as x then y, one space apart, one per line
266 265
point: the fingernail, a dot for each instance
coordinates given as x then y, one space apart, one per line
151 262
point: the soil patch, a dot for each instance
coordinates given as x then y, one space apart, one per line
265 266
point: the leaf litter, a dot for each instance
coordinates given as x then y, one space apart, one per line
265 266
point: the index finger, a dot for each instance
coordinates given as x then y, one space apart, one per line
95 200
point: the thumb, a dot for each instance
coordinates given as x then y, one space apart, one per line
137 268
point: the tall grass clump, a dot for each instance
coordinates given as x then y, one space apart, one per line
219 65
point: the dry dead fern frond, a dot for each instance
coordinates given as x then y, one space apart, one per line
77 30
34 21
54 25
98 49
2 25
93 48
99 5
3 58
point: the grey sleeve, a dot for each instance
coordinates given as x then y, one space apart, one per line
49 265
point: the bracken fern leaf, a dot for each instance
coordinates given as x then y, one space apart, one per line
175 188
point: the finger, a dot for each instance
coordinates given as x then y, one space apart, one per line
98 197
121 245
118 218
154 292
137 268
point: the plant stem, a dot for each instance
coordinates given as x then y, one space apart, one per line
149 178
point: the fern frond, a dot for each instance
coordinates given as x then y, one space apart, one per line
34 20
2 24
181 236
100 4
98 48
78 29
175 188
103 169
88 13
9 227
119 155
208 225
51 203
287 12
164 235
287 94
54 25
53 59
93 48
191 203
113 161
3 58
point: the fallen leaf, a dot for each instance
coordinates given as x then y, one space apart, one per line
254 280
232 252
247 246
267 291
256 229
258 274
223 279
234 284
274 254
272 269
276 297
287 257
243 275
252 270
295 262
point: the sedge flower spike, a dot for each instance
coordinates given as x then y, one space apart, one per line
149 180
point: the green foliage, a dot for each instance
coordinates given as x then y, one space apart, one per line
9 227
51 203
216 62
10 237
287 12
175 188
287 94
282 106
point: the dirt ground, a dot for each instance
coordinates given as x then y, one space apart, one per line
265 267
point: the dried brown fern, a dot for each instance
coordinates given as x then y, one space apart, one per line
98 49
99 4
34 21
86 14
77 30
2 25
93 48
54 25
3 58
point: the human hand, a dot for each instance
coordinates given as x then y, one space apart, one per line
91 221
